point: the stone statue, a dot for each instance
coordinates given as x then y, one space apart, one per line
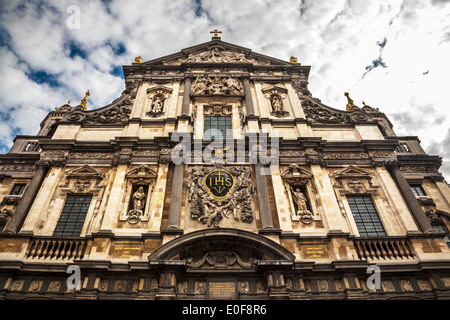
277 105
216 213
299 199
233 85
139 200
157 105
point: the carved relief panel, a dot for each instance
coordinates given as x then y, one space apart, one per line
138 192
217 85
220 198
299 186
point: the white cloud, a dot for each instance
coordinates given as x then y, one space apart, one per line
338 39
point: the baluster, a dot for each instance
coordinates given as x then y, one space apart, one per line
58 246
399 250
383 252
63 250
369 250
32 249
388 249
377 251
73 249
81 250
359 250
39 251
405 249
46 249
409 250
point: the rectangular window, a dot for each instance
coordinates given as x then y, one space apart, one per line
18 188
418 191
366 216
214 125
442 229
72 217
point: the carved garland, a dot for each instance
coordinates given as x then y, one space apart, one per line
221 260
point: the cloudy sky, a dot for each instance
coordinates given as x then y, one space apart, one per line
392 54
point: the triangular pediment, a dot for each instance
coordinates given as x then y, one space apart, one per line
352 172
216 52
85 172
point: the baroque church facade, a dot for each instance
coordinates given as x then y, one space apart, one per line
217 175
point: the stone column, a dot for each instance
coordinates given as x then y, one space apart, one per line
263 198
175 197
410 199
186 97
28 197
248 98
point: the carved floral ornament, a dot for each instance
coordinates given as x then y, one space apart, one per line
221 260
354 180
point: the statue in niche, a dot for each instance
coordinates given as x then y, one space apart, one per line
300 199
157 106
302 213
138 203
277 106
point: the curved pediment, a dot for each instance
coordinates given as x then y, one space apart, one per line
221 248
316 112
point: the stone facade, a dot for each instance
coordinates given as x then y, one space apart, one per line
240 220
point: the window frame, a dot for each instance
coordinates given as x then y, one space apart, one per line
22 189
414 188
374 231
226 131
67 216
